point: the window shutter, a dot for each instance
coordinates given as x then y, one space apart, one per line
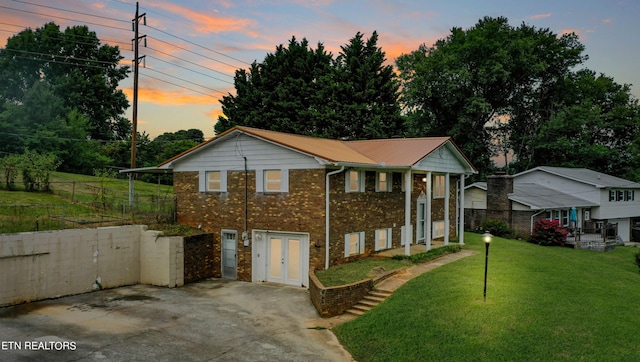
346 245
202 181
259 180
361 243
389 243
284 180
223 181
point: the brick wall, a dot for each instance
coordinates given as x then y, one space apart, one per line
302 209
199 260
498 203
333 301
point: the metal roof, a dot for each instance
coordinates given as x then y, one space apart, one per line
538 197
597 179
398 152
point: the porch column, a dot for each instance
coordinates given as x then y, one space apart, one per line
407 212
461 211
447 190
427 216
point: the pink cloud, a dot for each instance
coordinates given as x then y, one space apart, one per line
540 16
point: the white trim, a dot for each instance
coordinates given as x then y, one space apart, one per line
461 210
447 197
427 222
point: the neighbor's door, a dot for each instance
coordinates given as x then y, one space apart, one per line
229 254
285 260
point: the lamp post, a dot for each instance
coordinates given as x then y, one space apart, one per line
486 237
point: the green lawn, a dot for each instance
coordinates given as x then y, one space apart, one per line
543 304
78 201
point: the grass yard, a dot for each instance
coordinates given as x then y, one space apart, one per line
77 201
358 270
543 304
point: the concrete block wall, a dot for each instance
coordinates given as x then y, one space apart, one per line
161 260
50 264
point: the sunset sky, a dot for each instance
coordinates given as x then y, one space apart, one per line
194 47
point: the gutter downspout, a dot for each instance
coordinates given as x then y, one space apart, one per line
327 216
534 215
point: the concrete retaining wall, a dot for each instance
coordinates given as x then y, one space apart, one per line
50 264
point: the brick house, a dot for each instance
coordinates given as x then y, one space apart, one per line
280 205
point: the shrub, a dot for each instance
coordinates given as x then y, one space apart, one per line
548 232
495 227
637 258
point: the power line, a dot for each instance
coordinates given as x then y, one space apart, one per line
200 46
190 62
70 11
184 80
61 17
108 41
62 56
180 86
191 51
190 70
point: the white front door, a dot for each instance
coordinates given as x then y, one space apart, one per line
284 260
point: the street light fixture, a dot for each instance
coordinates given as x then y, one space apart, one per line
486 237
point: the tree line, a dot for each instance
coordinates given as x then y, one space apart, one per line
498 90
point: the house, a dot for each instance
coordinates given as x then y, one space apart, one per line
281 204
578 198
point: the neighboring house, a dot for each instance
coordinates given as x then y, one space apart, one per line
576 197
280 205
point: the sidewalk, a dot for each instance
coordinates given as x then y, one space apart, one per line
392 283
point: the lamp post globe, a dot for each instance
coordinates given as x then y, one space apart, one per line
486 237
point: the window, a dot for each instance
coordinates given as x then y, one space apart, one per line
438 229
212 181
354 244
438 186
383 181
421 217
383 239
355 181
621 195
272 180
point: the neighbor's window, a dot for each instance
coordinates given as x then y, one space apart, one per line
354 181
621 195
214 181
438 186
383 239
383 181
272 180
438 229
353 243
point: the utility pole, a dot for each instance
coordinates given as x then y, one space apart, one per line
136 63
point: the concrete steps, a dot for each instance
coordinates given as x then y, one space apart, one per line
369 301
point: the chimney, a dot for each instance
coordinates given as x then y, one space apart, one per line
499 186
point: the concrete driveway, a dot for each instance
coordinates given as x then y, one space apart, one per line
213 320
